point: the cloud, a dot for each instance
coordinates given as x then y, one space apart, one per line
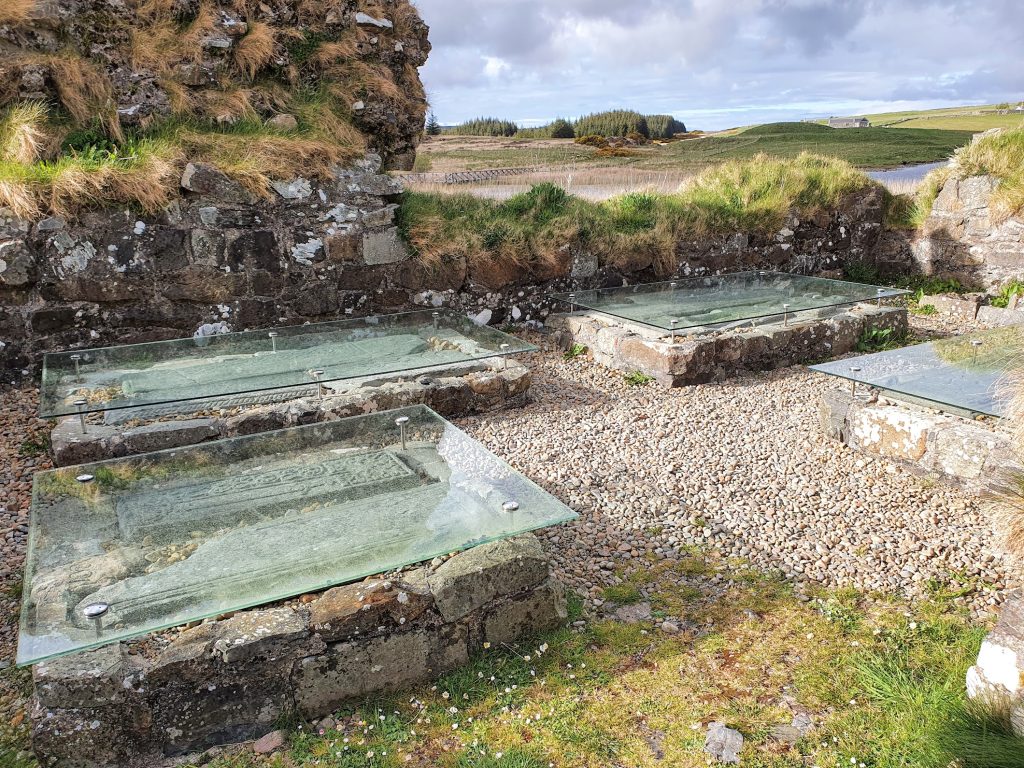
718 62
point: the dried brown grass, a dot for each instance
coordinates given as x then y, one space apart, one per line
16 11
23 135
254 160
160 44
227 107
256 50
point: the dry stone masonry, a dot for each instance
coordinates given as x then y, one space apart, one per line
972 454
235 678
700 358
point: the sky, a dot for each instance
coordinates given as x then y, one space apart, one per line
719 63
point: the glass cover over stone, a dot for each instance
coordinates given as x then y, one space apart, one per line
129 546
965 374
724 299
235 364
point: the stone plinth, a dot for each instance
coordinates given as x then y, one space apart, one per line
230 680
715 355
998 677
972 454
451 391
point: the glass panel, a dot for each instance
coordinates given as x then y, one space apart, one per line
962 373
255 361
176 536
724 299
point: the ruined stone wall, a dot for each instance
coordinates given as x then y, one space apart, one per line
320 250
974 455
235 679
963 239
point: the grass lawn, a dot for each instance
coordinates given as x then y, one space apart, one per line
865 148
882 682
977 118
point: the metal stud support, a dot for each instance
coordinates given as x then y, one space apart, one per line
879 292
273 341
85 478
77 359
673 322
510 506
785 315
80 405
402 421
977 344
855 369
319 384
504 354
437 319
95 613
572 303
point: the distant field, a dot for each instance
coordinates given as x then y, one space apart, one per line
978 118
865 147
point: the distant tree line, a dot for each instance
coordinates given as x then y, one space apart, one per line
618 122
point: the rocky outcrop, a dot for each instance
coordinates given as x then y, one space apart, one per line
234 679
130 65
962 238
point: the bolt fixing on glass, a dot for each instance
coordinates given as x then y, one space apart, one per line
673 323
77 359
785 315
273 341
572 303
402 421
510 506
879 293
855 370
437 319
95 612
976 343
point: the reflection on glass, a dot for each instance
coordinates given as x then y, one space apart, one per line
724 299
965 374
187 370
124 547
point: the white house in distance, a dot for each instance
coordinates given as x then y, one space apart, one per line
848 122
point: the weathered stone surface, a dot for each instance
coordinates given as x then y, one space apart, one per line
369 608
478 576
699 358
538 611
260 634
998 676
207 180
722 743
384 247
69 445
85 681
969 453
170 434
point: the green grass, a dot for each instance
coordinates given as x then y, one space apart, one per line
864 148
638 379
966 118
576 350
879 340
532 229
1007 291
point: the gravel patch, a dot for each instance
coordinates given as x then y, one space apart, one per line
740 468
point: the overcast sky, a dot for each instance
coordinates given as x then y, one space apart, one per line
719 63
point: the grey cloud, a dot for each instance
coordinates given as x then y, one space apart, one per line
719 60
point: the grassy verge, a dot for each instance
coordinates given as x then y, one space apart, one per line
533 229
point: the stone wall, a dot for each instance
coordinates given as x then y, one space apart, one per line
969 453
698 359
452 392
962 239
998 677
320 251
233 679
